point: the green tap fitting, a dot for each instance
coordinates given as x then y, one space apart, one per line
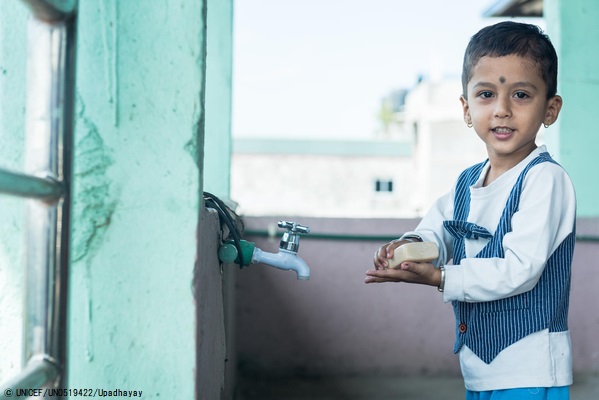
227 253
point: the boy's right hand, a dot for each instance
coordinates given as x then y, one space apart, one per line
385 252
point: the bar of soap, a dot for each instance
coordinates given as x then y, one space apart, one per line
416 252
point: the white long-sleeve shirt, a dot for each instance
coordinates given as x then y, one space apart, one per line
545 217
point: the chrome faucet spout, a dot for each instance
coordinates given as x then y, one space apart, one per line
244 252
284 259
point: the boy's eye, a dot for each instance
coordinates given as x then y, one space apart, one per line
486 95
520 95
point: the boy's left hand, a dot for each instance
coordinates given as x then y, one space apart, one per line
409 272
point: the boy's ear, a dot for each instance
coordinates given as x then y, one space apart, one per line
466 110
554 106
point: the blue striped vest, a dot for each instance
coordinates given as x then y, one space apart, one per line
489 327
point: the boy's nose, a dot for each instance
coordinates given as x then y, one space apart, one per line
502 108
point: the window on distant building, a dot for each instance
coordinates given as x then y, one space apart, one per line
415 126
383 185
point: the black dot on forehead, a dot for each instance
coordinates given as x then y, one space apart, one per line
501 79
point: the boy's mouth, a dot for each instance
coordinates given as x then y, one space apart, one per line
502 132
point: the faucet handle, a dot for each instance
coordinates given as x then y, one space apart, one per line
293 227
290 239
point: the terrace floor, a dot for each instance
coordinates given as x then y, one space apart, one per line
378 388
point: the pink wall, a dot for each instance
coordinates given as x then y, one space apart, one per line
335 324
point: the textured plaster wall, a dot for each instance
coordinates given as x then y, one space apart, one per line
137 158
219 69
574 30
13 54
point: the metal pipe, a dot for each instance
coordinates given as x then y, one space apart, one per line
49 138
50 94
331 236
36 374
371 237
52 10
23 185
587 238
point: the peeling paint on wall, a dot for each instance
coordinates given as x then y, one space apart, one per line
136 194
191 147
93 213
92 209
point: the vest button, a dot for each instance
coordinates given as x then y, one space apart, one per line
462 328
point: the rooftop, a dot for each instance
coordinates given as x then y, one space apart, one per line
515 8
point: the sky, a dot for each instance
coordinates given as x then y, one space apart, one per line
320 68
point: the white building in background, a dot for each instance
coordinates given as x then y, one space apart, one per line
444 145
322 178
398 174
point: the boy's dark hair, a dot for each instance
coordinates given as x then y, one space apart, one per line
507 38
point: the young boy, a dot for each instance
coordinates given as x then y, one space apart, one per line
508 224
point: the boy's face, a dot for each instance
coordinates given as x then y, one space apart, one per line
507 103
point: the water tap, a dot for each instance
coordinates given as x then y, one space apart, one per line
286 258
290 239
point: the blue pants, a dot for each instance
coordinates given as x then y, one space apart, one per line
552 393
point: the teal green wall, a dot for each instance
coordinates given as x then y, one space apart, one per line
13 54
137 185
217 150
572 25
142 91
